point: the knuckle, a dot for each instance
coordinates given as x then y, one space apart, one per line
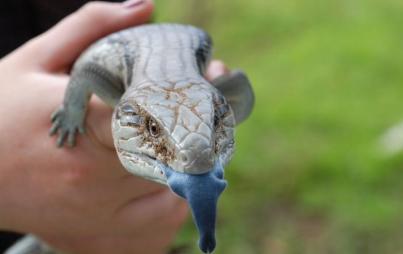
92 11
90 7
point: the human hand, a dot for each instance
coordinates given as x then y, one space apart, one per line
78 200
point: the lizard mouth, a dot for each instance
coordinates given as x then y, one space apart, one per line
143 165
135 156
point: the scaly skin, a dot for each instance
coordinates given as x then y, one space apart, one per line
157 71
169 125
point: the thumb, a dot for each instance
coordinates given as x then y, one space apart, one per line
57 48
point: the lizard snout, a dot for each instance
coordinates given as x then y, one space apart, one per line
195 161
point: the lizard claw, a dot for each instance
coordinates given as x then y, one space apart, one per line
66 126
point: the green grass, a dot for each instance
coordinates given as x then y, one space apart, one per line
308 176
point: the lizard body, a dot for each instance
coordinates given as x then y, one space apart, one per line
170 125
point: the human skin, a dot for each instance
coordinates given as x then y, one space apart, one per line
79 200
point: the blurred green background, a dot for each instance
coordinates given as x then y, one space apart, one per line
309 175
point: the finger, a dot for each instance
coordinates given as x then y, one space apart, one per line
61 45
134 187
148 209
215 69
99 123
156 237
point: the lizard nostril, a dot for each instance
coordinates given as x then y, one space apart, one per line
183 157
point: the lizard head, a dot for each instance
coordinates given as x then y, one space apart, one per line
182 135
189 128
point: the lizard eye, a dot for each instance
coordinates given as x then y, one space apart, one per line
153 128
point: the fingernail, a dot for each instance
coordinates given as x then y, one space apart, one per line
132 3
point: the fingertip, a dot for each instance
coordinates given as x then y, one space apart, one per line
137 11
132 4
115 15
215 69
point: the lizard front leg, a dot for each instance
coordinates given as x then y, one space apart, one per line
85 80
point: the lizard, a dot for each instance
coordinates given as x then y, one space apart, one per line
169 125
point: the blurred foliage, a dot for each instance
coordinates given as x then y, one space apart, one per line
308 176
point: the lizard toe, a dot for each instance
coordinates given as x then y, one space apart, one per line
62 136
55 127
71 139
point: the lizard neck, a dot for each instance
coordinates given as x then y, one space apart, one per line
165 65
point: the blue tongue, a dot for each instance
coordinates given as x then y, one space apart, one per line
201 192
